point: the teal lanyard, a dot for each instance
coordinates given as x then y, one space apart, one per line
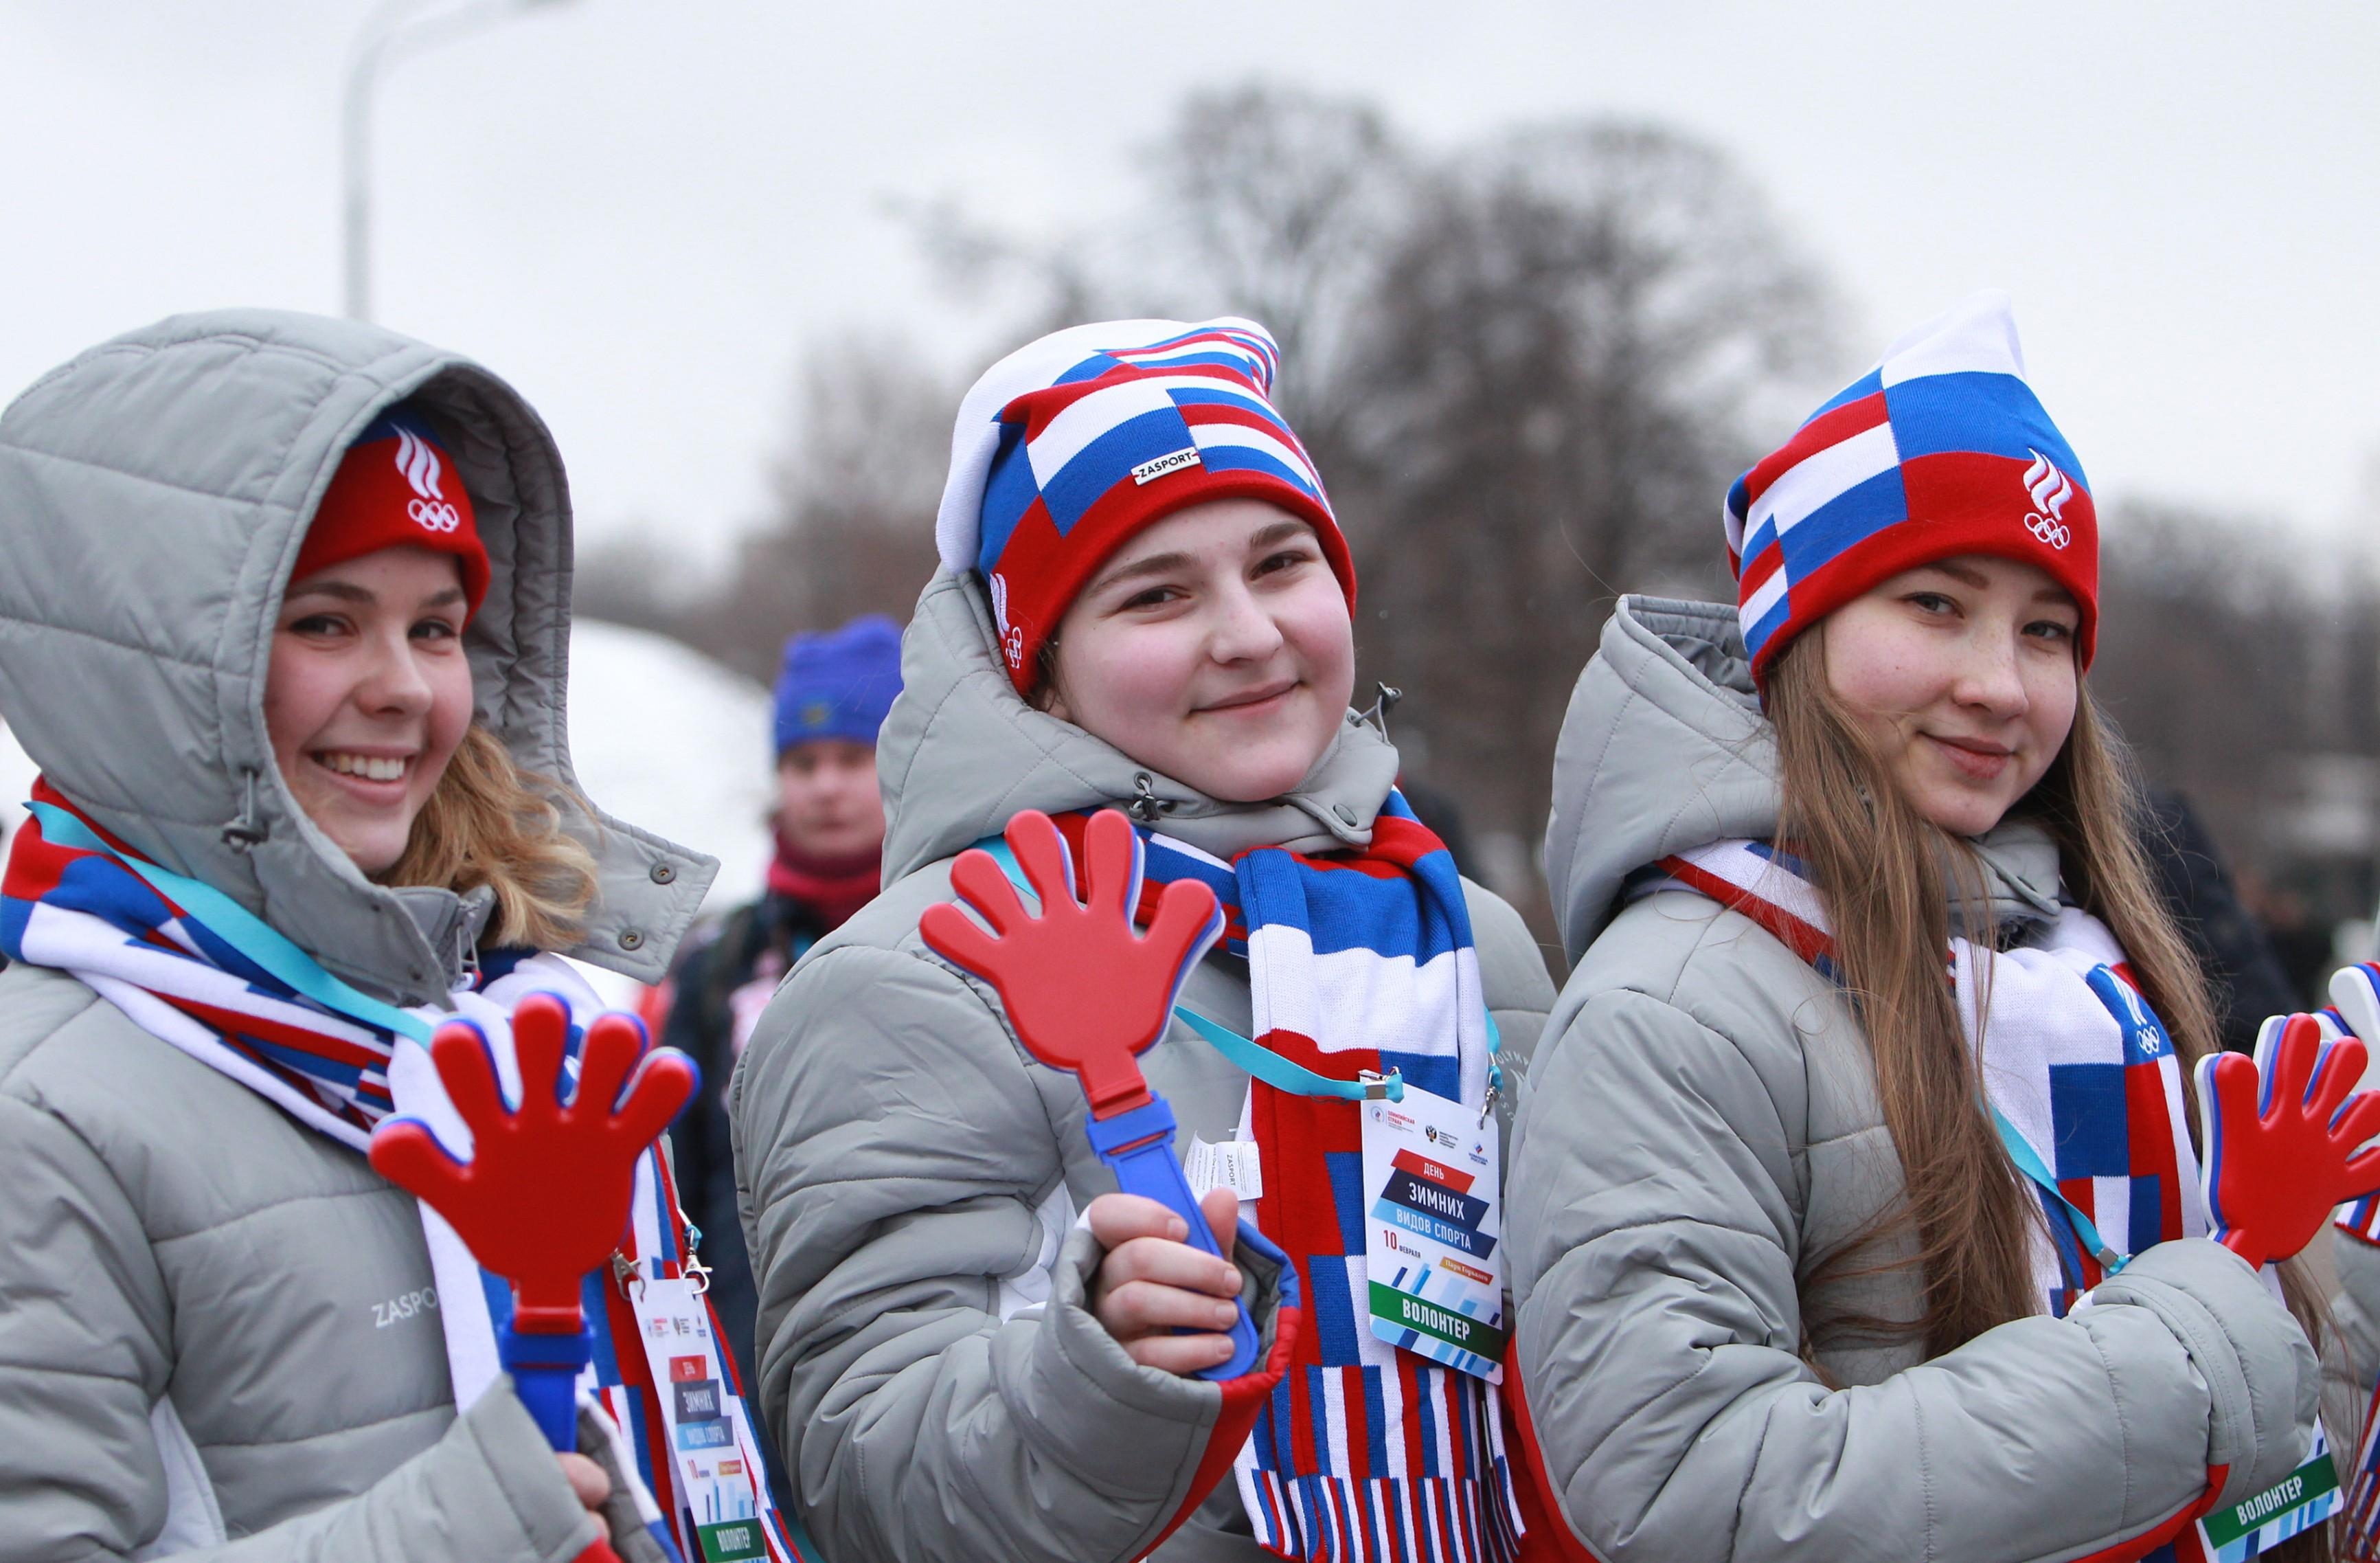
1278 1072
1256 1059
239 928
2028 1161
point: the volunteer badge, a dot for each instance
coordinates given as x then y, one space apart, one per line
1436 1217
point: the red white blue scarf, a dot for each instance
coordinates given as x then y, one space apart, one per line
1359 962
2074 1064
85 906
2359 1220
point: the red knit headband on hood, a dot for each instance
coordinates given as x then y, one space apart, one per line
396 487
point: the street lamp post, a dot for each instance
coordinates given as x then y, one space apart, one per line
393 30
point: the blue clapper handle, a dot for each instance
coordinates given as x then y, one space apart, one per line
1139 1145
545 1376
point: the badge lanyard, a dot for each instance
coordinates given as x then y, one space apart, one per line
2028 1161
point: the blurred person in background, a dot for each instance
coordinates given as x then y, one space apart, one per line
2305 947
288 607
833 692
2244 968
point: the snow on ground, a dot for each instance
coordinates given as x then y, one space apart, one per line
666 739
662 736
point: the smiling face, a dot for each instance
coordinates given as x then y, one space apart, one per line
1962 675
367 694
1214 647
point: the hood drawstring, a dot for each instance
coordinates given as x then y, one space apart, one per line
467 952
1146 805
1384 701
246 828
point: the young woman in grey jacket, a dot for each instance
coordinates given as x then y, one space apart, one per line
1145 606
287 608
1855 1211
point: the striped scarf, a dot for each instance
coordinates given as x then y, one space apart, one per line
2359 1219
2077 1068
84 910
1360 962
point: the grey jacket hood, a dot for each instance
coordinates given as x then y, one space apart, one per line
1664 749
154 495
962 752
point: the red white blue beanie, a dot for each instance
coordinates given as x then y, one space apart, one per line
1072 443
1941 449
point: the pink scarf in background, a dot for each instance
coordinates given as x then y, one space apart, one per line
832 888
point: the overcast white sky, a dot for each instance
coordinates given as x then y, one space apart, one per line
641 213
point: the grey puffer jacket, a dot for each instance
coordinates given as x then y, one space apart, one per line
218 1331
1702 1127
909 1177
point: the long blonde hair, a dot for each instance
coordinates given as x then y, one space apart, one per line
1886 874
490 822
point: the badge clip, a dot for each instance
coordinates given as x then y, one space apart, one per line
628 1276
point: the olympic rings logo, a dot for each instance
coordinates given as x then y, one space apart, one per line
437 515
2049 530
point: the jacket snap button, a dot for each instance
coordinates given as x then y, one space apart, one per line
663 873
1346 815
631 939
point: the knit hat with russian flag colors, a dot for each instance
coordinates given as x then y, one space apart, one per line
1941 449
1072 443
396 487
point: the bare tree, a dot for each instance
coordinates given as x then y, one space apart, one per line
1286 207
635 578
1565 345
2196 664
853 530
1267 202
2243 679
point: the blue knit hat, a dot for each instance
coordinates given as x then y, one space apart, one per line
838 684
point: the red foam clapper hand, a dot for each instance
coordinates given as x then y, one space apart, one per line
2284 1134
1088 993
545 1195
